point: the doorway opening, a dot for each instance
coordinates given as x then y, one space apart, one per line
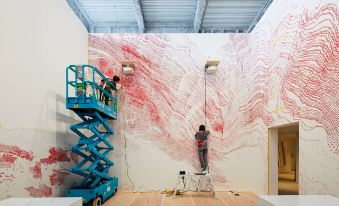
283 160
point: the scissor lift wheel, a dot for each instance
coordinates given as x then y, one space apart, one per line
96 202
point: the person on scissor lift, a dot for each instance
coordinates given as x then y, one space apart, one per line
108 89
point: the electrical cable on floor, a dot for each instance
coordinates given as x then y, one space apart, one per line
170 192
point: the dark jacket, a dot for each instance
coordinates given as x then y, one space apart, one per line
202 136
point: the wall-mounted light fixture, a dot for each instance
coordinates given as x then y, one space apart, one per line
211 66
127 67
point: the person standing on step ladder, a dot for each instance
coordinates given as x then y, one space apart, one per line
201 138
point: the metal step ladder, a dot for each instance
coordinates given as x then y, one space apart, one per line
189 178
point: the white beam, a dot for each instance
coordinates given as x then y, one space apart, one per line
199 14
139 15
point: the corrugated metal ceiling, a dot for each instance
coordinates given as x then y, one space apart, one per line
109 10
231 13
167 11
169 15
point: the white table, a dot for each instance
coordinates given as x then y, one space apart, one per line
297 200
58 201
188 178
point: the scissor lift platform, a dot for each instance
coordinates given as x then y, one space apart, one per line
94 130
87 104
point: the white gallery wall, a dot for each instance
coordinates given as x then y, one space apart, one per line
38 39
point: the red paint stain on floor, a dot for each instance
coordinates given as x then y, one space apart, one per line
41 191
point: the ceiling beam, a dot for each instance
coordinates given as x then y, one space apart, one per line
199 14
115 27
159 27
80 12
260 14
223 30
139 15
169 27
150 27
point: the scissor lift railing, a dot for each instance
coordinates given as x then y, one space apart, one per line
87 101
87 92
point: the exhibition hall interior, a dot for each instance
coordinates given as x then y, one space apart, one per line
169 102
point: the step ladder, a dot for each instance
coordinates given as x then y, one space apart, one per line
189 178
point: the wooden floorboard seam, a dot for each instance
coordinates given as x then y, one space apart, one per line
193 203
134 199
225 203
162 200
247 196
189 199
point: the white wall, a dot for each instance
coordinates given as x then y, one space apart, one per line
38 39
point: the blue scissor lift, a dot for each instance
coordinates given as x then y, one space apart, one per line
88 100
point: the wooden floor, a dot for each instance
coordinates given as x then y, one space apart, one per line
188 199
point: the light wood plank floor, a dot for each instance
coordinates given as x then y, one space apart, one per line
188 199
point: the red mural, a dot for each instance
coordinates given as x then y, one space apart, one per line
150 92
166 93
313 71
56 155
41 191
10 155
58 177
36 170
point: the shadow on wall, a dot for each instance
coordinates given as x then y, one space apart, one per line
55 116
40 168
63 122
